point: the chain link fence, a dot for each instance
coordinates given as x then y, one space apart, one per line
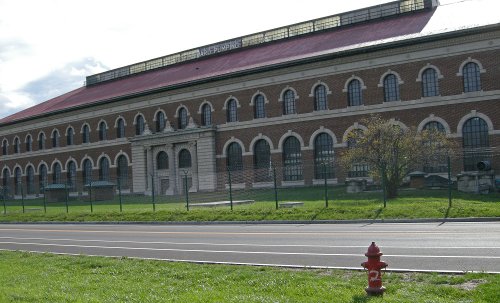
272 187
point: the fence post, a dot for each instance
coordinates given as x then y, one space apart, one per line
120 193
44 200
383 185
230 187
67 195
275 187
326 185
4 197
186 191
153 191
22 196
90 196
449 181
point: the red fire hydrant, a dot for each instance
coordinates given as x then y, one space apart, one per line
374 266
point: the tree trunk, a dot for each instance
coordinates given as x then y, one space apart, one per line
392 190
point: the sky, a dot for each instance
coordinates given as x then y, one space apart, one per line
48 47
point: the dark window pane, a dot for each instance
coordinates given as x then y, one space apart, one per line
162 160
122 171
29 143
234 157
41 141
56 173
86 134
289 106
183 120
391 88
87 171
292 160
104 169
120 129
260 109
139 125
430 86
472 77
102 131
206 115
323 157
184 159
355 97
69 137
160 121
30 181
232 111
320 98
475 143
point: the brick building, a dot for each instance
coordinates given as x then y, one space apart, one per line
286 97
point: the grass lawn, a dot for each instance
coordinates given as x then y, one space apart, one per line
341 206
28 277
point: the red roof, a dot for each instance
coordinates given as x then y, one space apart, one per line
281 51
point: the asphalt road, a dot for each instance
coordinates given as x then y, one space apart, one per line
441 247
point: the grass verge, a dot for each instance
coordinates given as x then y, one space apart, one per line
28 277
341 206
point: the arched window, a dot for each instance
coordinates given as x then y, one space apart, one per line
41 141
354 94
5 181
430 85
160 121
18 181
391 88
234 160
183 118
69 136
17 146
71 174
104 169
259 106
262 161
292 160
232 111
122 170
29 143
30 180
55 138
162 160
120 128
320 101
289 106
56 173
86 134
472 77
87 171
433 163
323 157
206 115
475 143
5 147
262 154
184 159
42 177
357 169
103 131
139 125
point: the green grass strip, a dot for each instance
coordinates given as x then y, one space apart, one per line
29 277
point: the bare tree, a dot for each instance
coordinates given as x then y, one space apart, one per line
392 151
